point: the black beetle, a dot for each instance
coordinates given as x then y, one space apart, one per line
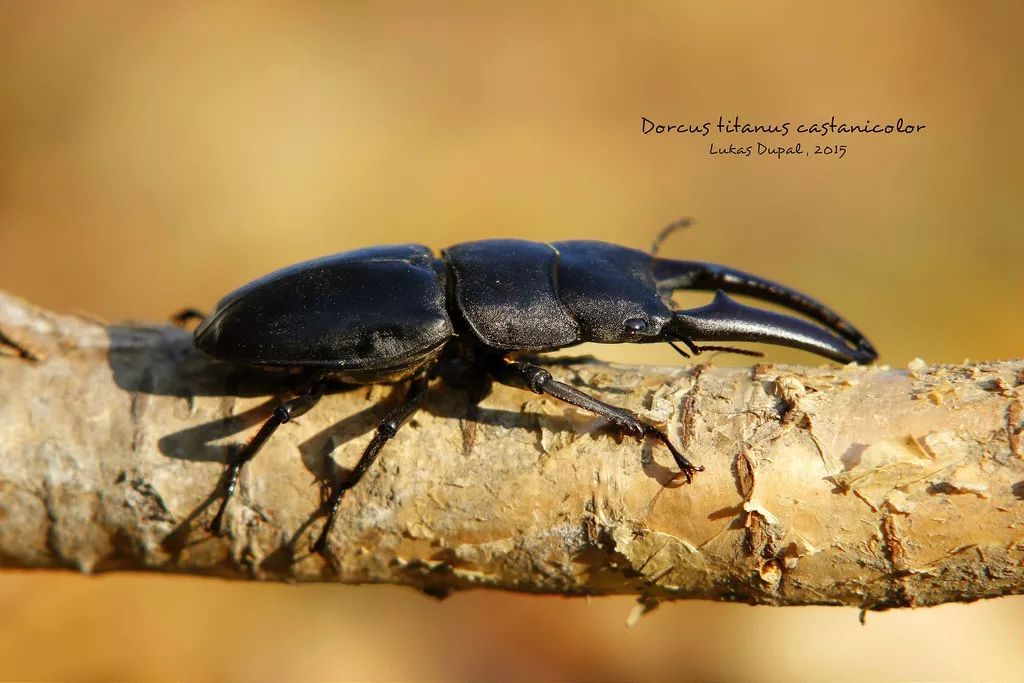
392 313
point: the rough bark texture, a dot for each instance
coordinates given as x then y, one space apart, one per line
858 486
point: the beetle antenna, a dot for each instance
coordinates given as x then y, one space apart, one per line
672 227
675 346
733 349
697 350
690 345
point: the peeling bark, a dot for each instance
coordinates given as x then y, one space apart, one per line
855 486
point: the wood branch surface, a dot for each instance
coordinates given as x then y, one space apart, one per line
856 486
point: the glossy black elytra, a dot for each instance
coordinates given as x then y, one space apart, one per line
393 313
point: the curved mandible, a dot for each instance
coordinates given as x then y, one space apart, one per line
671 275
727 320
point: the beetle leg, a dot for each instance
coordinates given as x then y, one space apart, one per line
185 316
386 430
285 412
671 275
20 348
538 380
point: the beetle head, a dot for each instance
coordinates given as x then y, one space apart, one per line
621 321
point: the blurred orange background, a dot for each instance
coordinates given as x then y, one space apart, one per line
156 155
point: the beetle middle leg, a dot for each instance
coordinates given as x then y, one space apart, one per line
386 430
538 380
285 412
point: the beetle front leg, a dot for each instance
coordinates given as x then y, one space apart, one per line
285 412
538 380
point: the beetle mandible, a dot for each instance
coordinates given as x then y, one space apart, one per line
391 314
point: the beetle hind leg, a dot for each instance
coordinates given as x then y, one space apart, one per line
538 380
185 316
285 412
386 431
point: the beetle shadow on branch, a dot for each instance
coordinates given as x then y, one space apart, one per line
196 443
162 360
319 450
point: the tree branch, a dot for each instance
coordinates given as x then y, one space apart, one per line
869 487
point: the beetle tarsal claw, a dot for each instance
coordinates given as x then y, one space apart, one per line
680 478
684 475
686 468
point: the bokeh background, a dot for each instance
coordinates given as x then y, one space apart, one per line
156 155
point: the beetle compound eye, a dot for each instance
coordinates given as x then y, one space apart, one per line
635 324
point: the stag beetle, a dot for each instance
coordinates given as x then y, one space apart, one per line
389 314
